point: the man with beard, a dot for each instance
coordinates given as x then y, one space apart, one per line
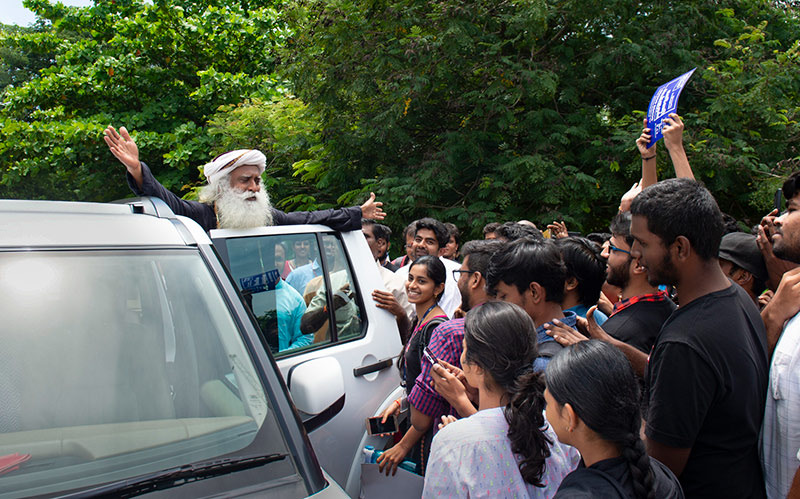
780 438
706 380
446 344
233 198
638 316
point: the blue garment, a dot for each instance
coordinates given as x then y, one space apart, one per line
570 320
301 276
581 310
290 307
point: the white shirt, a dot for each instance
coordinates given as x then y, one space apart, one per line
472 458
451 299
780 433
397 286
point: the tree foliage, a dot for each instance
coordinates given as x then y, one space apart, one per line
160 68
494 110
472 112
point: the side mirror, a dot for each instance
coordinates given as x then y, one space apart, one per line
317 389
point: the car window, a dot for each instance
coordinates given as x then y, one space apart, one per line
285 279
119 363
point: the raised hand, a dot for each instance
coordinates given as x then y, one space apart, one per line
672 129
627 198
123 147
372 209
643 140
558 230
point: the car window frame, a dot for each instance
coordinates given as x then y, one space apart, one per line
318 234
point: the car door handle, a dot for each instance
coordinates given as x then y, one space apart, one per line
371 368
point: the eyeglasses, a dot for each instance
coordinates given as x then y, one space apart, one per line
614 248
457 273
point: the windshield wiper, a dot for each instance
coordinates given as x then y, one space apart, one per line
179 475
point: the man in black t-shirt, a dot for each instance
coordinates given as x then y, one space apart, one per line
638 316
706 379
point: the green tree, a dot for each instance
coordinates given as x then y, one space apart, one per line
495 110
161 69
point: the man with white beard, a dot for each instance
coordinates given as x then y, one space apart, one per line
233 198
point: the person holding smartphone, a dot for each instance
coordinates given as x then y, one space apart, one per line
506 449
425 286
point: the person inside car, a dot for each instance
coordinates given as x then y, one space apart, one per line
233 198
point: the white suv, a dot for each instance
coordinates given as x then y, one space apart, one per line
351 346
129 364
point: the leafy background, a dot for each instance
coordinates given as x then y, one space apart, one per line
470 112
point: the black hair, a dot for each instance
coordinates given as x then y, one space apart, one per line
434 268
410 229
599 238
480 251
511 231
729 224
597 380
757 284
682 207
528 260
584 263
379 231
438 228
490 227
453 231
499 337
382 232
621 227
791 186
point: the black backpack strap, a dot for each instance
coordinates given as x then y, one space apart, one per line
549 348
427 332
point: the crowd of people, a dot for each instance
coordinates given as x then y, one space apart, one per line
655 360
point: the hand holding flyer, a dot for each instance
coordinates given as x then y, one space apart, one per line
663 103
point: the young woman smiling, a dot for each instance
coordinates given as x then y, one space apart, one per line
424 287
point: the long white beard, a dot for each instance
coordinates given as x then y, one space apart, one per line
234 211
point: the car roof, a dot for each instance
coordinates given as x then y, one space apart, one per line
75 224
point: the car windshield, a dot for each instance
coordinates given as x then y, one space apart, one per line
118 363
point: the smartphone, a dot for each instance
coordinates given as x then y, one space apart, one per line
375 427
777 202
429 355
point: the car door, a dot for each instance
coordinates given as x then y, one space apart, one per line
320 308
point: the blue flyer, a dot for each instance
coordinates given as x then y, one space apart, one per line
664 102
260 282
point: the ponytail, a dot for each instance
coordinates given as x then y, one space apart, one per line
634 453
499 338
598 382
525 416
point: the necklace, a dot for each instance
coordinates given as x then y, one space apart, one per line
422 319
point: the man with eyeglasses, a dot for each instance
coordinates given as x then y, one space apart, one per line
642 309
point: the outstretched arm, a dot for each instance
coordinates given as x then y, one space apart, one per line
672 129
649 173
124 149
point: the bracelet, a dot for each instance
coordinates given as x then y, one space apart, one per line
649 158
398 402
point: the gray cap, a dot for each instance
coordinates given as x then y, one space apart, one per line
742 249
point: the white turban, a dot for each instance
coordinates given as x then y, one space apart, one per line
226 163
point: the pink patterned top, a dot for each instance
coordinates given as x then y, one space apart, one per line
472 458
